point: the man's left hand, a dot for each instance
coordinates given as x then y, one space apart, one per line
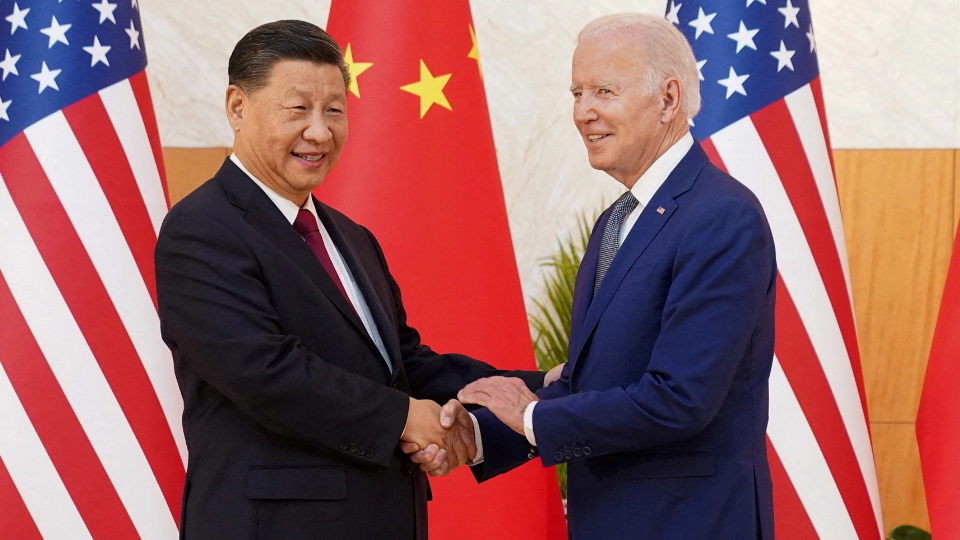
506 397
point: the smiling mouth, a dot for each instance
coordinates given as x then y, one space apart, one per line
594 138
317 157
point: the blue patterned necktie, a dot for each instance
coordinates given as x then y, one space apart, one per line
611 235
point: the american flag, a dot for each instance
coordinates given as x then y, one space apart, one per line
90 440
763 122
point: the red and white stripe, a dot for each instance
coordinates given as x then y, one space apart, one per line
821 452
91 444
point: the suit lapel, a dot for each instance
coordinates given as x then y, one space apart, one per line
379 314
648 226
583 288
265 217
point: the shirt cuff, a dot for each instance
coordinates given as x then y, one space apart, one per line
528 423
476 437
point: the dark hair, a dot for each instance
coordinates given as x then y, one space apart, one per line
257 52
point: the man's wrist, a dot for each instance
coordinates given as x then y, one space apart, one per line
478 459
528 423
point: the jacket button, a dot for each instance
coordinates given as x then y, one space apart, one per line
558 456
530 455
352 447
361 450
343 445
587 451
407 469
577 452
369 452
567 454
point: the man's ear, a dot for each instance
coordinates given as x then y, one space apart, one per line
671 98
235 106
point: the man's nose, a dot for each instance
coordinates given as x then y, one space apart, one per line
317 131
583 111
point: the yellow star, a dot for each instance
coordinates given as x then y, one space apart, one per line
430 89
355 68
475 51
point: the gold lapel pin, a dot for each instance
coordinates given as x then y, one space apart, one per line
661 210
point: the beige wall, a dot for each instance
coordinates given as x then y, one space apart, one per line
900 210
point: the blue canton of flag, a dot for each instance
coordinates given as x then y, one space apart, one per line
750 53
57 53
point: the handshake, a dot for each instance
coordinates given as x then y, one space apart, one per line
440 439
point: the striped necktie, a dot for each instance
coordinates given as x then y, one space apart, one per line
611 235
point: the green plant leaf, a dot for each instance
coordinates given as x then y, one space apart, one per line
909 532
550 318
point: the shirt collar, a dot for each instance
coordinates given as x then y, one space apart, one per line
654 177
288 208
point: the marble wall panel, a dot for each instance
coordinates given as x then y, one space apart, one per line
889 71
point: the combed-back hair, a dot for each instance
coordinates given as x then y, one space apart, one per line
666 52
257 52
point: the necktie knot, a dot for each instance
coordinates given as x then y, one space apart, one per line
305 223
623 206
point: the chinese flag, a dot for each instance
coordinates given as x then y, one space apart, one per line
938 420
419 169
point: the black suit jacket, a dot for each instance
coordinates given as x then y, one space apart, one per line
291 415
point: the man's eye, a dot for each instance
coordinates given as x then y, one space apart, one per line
605 91
334 111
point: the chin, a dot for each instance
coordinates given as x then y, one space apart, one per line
599 164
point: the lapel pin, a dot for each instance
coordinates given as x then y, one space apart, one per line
661 210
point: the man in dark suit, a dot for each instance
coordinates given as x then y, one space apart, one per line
661 410
299 372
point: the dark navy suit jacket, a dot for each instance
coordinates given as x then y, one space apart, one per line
661 411
291 415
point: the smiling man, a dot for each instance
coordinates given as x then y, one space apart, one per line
661 410
299 373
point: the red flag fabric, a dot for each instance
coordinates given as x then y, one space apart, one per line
420 170
938 420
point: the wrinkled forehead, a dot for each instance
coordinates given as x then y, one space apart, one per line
606 61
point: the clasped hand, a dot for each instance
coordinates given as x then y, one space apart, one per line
440 451
441 439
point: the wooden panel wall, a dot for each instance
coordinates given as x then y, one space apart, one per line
187 168
900 210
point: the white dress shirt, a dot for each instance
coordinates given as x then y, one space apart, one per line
289 209
644 190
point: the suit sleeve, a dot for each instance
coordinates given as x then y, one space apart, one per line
723 273
435 376
217 317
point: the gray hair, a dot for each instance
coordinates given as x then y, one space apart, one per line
666 51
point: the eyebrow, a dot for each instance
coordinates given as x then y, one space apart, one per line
573 87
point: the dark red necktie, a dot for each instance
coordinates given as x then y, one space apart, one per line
306 225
